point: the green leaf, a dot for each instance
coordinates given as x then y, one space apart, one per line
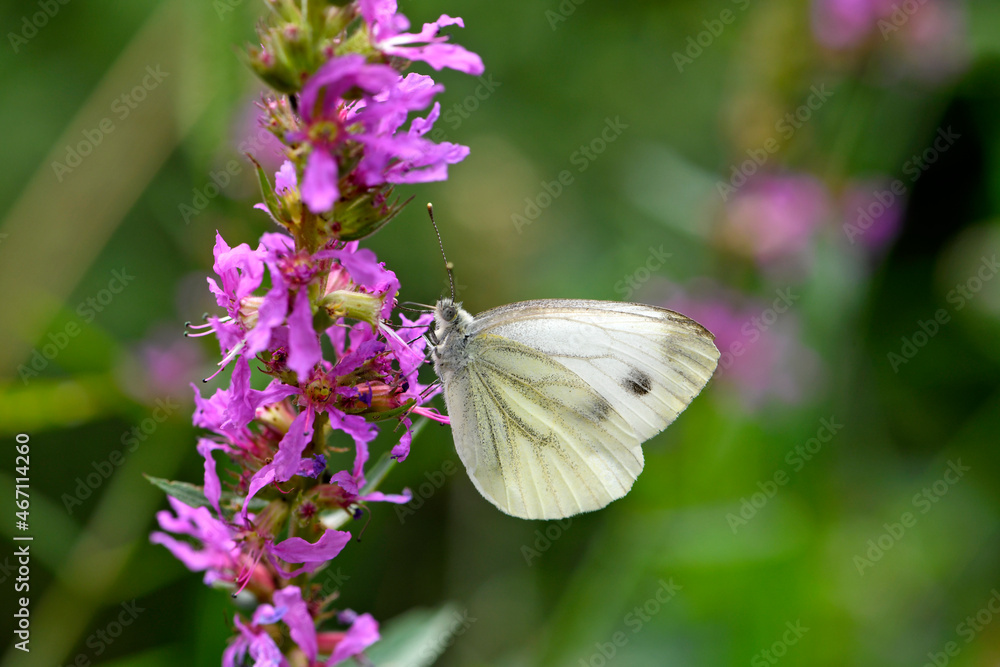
267 191
187 493
418 637
377 472
193 495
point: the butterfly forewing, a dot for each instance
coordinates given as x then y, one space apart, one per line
648 362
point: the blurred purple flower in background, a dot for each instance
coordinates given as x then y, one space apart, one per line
161 366
763 358
872 211
773 219
251 136
846 24
926 37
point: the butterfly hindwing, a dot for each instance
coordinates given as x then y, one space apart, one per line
537 441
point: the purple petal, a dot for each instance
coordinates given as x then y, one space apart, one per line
303 343
352 360
267 614
362 634
381 16
285 178
337 77
261 478
270 315
347 482
274 392
263 651
213 488
312 467
361 430
319 184
235 652
209 413
300 623
311 555
239 410
440 56
402 449
286 461
193 559
378 496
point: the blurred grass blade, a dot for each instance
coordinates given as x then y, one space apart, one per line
417 638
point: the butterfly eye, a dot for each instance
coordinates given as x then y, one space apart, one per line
449 313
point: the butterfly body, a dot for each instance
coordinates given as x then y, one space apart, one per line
551 400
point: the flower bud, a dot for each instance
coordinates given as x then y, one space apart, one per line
271 520
278 415
355 305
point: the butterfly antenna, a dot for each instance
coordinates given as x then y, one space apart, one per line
447 265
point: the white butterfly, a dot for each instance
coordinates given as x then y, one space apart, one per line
551 400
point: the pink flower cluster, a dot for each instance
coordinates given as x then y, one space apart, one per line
312 312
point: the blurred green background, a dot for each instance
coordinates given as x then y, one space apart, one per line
830 499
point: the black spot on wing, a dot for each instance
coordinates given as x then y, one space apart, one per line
599 409
637 382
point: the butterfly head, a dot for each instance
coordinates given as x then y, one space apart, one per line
450 317
446 311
